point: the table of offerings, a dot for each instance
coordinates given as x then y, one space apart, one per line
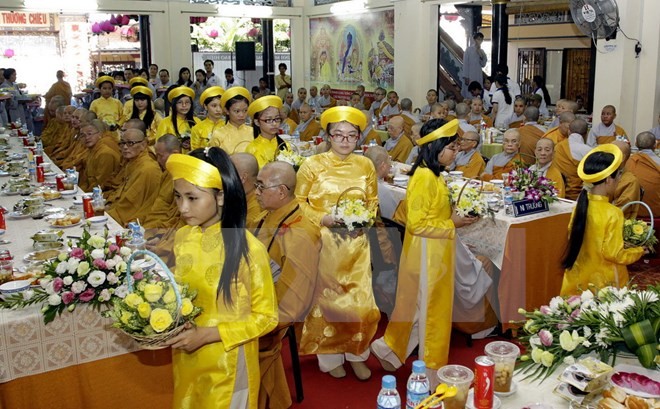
77 360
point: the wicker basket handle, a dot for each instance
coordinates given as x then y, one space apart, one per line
467 182
170 276
350 189
240 144
289 146
648 208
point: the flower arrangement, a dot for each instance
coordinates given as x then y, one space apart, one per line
531 186
90 273
353 214
638 233
152 313
467 200
111 124
599 322
290 157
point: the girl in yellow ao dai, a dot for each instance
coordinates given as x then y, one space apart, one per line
266 120
596 257
203 131
423 310
216 362
344 317
181 119
143 109
235 136
107 108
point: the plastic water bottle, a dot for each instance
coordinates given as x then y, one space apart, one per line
296 136
39 150
388 398
98 203
418 385
372 143
508 201
137 239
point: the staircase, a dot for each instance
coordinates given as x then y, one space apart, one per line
451 64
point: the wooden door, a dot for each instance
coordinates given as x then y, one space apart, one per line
575 79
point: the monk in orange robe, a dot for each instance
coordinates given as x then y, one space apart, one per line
568 155
560 132
645 165
628 189
506 161
606 131
530 133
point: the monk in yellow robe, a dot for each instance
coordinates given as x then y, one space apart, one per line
163 219
568 155
308 126
75 155
101 161
506 161
530 133
60 88
284 230
248 168
606 131
398 145
468 159
543 166
63 150
628 189
561 131
134 197
596 256
60 130
645 165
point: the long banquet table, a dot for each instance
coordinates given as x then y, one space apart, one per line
526 249
77 360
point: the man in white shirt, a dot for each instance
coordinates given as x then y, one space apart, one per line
211 79
229 78
376 105
474 60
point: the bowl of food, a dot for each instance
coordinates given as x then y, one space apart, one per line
97 221
16 286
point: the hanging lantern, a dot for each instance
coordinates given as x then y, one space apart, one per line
107 27
9 53
125 20
96 29
213 33
253 32
113 20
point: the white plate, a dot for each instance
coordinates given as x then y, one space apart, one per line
3 173
537 405
514 389
18 215
144 264
70 192
77 201
653 375
8 193
29 257
497 403
55 210
49 174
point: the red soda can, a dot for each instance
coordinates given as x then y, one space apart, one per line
59 182
5 255
318 140
39 159
41 178
119 240
280 131
25 140
3 225
483 382
87 206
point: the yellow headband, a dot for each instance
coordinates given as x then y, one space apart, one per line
262 103
343 113
214 91
445 131
193 170
138 80
182 90
597 177
235 91
141 89
104 78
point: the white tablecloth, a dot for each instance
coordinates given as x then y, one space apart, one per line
27 345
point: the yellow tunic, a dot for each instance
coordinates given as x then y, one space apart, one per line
166 127
163 220
345 316
203 132
137 190
109 110
627 190
285 232
153 128
263 149
428 248
474 168
555 135
205 379
602 259
232 139
100 164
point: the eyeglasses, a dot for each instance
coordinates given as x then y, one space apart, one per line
129 143
260 187
351 137
271 121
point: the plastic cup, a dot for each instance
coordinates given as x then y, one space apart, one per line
459 376
504 355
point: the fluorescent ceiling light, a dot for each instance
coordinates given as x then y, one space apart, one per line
61 5
349 7
244 11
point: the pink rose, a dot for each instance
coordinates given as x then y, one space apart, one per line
113 248
546 337
87 295
58 283
100 264
138 275
68 297
78 253
545 310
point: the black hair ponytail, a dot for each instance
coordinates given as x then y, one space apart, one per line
428 153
